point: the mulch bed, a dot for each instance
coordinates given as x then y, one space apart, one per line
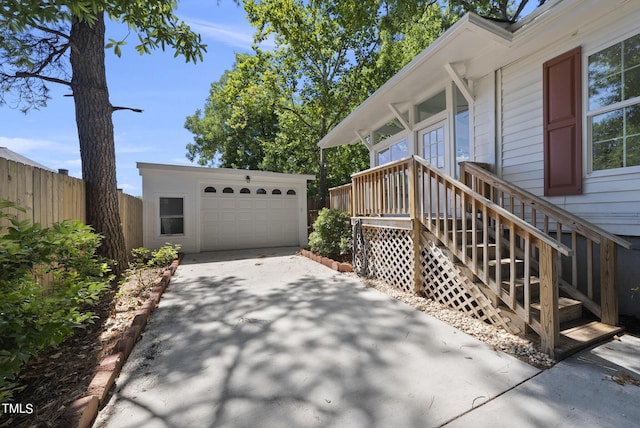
61 375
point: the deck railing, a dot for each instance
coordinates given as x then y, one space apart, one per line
588 274
340 197
382 191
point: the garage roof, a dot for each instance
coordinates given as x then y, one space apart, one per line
225 172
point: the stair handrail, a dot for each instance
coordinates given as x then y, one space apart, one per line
583 226
475 176
458 199
534 231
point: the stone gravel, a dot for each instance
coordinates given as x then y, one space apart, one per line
521 348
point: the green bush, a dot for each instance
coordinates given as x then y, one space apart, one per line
160 258
34 316
331 236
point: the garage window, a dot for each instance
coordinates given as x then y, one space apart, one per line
291 192
276 192
245 190
261 192
171 216
227 190
210 189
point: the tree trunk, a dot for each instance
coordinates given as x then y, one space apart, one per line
95 132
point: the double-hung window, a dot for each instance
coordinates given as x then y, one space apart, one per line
172 216
614 105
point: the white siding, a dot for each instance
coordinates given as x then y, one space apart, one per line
611 198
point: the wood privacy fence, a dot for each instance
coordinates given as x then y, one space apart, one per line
49 197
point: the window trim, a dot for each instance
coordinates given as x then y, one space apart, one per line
159 217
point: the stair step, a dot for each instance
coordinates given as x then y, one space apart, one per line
534 287
469 235
505 266
568 309
583 335
491 250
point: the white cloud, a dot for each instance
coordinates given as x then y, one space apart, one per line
25 145
234 36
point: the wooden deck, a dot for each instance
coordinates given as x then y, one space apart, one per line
487 241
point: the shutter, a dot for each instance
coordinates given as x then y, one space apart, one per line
562 112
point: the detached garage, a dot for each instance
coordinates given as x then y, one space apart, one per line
210 209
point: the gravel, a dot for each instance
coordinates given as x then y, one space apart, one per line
520 347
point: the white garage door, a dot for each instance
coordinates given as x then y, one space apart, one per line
234 217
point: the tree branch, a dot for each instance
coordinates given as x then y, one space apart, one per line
51 31
137 110
24 74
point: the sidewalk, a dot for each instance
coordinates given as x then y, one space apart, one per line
265 338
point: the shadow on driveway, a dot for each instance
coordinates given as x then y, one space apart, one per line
267 338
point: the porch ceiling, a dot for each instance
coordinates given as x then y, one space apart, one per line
470 46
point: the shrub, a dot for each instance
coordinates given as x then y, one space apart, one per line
34 317
331 236
161 258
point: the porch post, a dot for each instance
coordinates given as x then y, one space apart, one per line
608 289
549 317
415 225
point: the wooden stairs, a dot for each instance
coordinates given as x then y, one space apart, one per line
547 270
578 328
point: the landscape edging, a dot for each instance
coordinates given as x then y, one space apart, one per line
82 412
338 266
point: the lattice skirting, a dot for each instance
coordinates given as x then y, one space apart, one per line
445 283
389 257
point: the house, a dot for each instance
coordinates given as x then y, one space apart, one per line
206 209
550 106
5 153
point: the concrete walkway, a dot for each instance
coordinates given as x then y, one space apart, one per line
264 338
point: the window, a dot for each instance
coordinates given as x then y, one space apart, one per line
389 129
171 216
614 105
245 190
210 189
461 129
291 192
394 152
261 191
431 107
276 192
227 190
433 146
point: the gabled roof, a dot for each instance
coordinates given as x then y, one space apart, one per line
469 42
472 48
16 157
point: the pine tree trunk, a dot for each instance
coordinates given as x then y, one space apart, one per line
95 132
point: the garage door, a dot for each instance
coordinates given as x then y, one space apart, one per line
234 217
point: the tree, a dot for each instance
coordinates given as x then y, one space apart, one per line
238 118
63 42
501 10
323 51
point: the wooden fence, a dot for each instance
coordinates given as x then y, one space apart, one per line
49 197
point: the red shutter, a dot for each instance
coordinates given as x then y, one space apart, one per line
563 124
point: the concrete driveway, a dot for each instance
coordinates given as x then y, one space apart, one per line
265 338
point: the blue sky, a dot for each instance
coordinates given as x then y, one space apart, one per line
166 88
